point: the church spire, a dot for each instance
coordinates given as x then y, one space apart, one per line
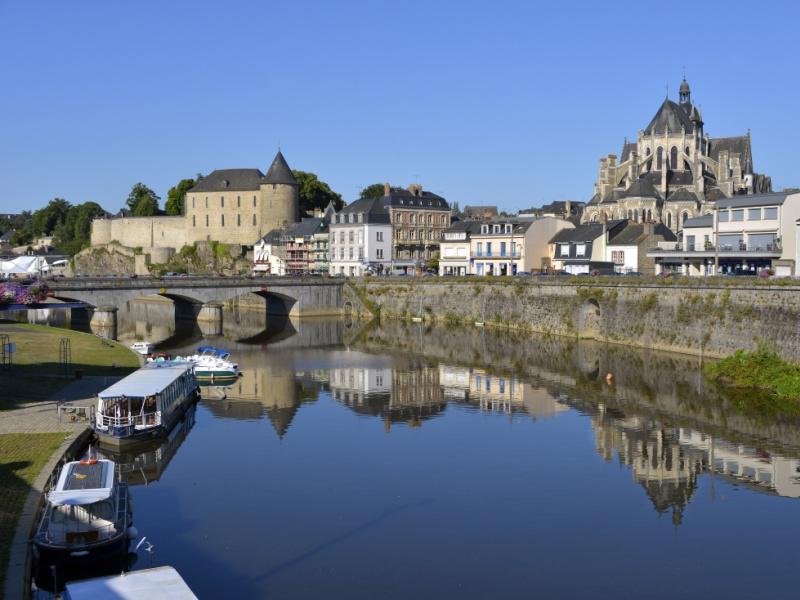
685 94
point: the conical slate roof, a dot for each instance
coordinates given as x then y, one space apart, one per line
670 117
279 172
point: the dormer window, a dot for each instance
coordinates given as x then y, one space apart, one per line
360 217
496 229
484 229
508 228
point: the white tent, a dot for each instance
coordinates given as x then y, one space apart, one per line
24 265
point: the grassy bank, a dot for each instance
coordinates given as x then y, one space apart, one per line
22 457
36 372
759 382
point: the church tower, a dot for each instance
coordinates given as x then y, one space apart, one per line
684 93
279 196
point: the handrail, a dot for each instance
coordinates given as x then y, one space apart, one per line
135 420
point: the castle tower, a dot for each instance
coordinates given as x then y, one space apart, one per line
279 196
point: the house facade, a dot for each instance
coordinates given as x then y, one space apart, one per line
743 234
360 239
454 253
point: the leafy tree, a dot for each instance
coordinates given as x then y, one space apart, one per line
142 201
45 220
176 196
73 235
373 191
315 193
432 264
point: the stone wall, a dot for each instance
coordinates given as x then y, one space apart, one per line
141 232
702 320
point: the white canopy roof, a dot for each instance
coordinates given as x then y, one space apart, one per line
158 582
24 265
147 381
70 492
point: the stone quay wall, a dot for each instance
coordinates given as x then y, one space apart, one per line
703 320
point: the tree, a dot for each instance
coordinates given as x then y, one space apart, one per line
373 191
315 193
142 201
176 196
45 220
73 235
432 264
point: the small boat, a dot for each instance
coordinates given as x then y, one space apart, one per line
146 404
212 365
143 348
157 582
87 516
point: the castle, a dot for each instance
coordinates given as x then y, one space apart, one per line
674 170
236 206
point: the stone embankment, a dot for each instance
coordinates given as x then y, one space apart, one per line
705 320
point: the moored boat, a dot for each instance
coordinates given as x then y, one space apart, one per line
212 365
146 404
157 582
143 348
86 520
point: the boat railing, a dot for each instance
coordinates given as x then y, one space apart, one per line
141 421
71 530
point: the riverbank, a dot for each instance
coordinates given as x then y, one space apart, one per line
31 433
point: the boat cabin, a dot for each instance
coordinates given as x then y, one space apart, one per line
147 399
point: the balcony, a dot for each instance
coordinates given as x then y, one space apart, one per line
671 248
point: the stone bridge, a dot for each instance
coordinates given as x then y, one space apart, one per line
202 298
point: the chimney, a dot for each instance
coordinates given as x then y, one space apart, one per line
568 208
387 189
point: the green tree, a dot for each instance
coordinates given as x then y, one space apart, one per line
432 264
373 191
315 193
142 201
45 220
73 235
176 196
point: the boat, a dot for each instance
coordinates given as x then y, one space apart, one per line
146 404
157 582
87 519
143 348
212 365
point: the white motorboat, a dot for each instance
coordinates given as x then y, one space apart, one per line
212 365
143 348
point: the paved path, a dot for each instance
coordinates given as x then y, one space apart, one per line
42 417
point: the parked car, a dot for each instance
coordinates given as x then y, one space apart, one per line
522 274
634 274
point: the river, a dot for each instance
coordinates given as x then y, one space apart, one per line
402 460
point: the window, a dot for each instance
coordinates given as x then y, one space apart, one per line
206 220
762 242
238 220
360 217
738 215
484 229
723 216
351 253
254 219
254 201
508 228
480 248
412 219
659 158
502 248
350 236
488 248
206 201
222 201
379 253
360 252
222 220
771 213
430 219
192 202
496 229
341 237
238 202
753 214
690 242
564 250
673 158
479 271
618 257
194 223
580 249
379 236
501 385
729 242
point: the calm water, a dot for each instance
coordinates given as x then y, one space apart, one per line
399 461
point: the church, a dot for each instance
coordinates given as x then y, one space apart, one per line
674 170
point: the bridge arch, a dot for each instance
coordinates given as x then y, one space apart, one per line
589 319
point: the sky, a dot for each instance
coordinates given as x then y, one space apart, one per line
506 103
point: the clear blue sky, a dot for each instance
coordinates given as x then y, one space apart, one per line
507 103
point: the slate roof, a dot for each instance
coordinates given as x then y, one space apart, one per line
6 237
279 172
770 199
400 198
230 179
735 145
670 116
682 195
714 193
306 227
680 177
641 188
273 236
704 221
468 226
374 210
633 233
583 233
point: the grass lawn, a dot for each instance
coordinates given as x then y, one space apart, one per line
22 457
36 373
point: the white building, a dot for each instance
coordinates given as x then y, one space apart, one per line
743 234
361 239
268 258
454 249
